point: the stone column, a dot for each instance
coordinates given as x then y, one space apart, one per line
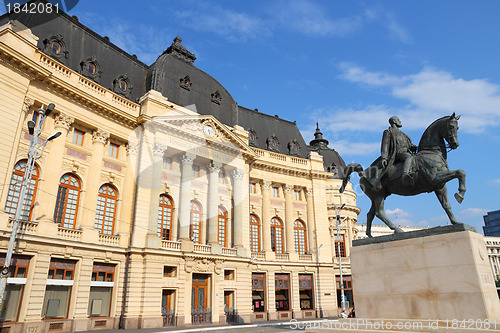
238 207
266 215
213 202
99 139
128 193
156 190
290 244
52 173
311 227
185 195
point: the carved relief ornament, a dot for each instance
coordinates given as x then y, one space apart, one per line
63 121
100 136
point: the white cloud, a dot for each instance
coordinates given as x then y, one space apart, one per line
432 93
471 212
397 213
344 147
233 25
496 181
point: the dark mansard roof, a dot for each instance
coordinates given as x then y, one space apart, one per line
173 74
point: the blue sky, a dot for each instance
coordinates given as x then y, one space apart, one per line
349 65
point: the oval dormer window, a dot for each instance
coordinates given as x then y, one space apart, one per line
123 85
294 147
91 68
251 136
56 47
273 142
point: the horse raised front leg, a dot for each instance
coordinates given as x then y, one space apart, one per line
447 176
380 212
442 195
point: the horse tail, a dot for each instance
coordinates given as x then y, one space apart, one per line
347 174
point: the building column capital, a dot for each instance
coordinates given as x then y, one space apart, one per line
159 148
238 174
266 184
64 121
288 188
100 136
132 148
188 158
214 166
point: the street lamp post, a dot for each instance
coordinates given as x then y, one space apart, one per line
343 313
35 151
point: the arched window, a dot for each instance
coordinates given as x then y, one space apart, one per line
68 196
254 233
106 210
165 217
222 227
194 227
299 237
276 235
15 189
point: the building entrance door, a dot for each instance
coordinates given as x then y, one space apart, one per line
200 312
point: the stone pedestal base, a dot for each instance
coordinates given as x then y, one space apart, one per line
433 275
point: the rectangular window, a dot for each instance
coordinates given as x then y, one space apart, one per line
58 289
347 291
78 137
228 274
342 246
282 291
169 271
297 195
101 290
306 291
258 292
16 281
196 170
276 191
167 163
253 188
113 150
222 177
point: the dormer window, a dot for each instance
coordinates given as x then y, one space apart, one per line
122 85
91 68
56 47
293 147
252 137
216 97
186 83
272 143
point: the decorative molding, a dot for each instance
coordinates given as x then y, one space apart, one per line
159 148
216 97
266 184
214 166
48 48
289 188
28 103
84 68
122 85
132 148
100 136
238 174
188 158
63 121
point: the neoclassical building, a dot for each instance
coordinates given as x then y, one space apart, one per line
163 202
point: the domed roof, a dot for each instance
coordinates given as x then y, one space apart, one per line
173 74
332 161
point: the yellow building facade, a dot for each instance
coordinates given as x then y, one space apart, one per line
146 213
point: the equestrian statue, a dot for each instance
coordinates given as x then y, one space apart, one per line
407 170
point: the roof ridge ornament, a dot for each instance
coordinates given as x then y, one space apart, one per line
318 139
180 52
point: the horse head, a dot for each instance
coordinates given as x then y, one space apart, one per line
451 131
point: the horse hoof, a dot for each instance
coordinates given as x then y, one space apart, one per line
459 197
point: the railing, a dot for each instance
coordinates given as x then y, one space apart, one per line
91 85
54 65
201 316
305 257
25 227
229 252
109 239
124 102
169 318
171 245
259 255
202 248
282 256
281 157
231 315
69 233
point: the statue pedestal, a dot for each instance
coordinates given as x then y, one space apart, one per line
438 273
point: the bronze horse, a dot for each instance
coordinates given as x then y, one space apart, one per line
430 173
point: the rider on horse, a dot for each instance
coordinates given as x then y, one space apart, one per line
396 142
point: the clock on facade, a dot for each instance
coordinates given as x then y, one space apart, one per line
208 130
